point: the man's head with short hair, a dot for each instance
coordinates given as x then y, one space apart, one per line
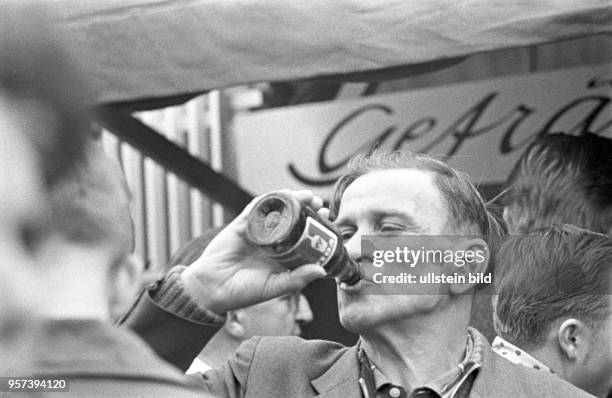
554 289
561 178
92 234
43 89
42 131
403 193
90 206
468 212
43 122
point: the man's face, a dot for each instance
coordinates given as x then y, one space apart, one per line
280 316
392 202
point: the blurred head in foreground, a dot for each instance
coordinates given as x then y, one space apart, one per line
43 131
91 241
83 195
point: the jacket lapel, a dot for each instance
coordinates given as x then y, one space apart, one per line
341 379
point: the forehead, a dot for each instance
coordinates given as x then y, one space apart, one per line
410 192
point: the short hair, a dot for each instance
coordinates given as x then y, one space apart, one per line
90 205
192 250
547 274
468 212
561 178
41 83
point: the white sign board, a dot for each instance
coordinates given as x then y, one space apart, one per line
480 127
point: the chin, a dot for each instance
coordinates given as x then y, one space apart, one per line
358 316
356 323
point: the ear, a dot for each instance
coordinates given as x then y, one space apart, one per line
506 216
124 281
573 339
133 269
233 324
474 262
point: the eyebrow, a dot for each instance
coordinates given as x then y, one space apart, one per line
378 215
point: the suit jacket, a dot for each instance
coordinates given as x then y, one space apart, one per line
294 367
99 360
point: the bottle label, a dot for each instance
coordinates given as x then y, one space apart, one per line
316 246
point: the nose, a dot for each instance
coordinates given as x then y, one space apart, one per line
353 247
303 312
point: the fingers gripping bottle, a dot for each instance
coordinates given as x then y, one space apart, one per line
294 234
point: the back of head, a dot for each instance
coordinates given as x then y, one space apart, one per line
90 204
43 89
549 274
42 131
468 211
561 179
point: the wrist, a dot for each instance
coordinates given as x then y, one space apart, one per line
199 293
170 293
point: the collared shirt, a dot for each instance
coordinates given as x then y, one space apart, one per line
515 355
456 383
198 366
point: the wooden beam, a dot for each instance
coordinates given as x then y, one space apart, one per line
173 158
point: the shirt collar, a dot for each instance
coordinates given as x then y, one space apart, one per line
516 355
447 384
198 366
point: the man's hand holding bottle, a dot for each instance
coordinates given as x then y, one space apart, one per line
233 273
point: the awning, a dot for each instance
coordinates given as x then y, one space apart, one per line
137 49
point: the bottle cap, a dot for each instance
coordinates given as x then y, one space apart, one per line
272 219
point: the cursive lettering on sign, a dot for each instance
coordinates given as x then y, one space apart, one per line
586 110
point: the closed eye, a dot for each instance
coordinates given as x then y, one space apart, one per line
391 228
346 234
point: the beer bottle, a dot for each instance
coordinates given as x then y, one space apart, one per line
294 234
